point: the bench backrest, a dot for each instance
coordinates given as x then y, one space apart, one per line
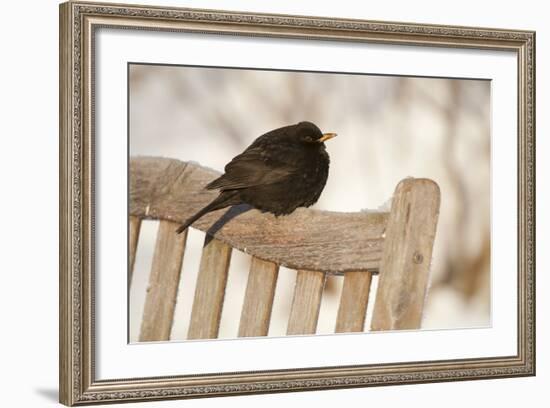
396 244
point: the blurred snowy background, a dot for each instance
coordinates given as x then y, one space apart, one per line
388 128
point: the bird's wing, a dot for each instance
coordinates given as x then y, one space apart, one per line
253 167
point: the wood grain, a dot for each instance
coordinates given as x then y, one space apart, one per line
258 299
407 255
134 227
353 302
210 290
306 239
306 303
160 300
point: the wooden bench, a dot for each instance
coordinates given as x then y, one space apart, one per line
396 244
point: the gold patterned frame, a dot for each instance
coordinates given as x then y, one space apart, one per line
78 22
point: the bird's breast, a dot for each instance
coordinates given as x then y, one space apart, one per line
301 188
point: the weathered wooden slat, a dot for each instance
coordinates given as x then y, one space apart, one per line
210 290
306 303
306 239
164 279
258 299
407 255
353 302
135 226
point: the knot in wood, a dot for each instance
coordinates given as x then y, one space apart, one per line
417 257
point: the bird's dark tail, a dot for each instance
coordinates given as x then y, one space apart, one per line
192 219
225 199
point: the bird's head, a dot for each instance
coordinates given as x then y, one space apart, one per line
310 134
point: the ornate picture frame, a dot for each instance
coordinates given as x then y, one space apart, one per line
79 22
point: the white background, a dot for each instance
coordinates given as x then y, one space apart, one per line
28 161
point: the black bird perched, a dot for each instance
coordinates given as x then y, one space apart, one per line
280 171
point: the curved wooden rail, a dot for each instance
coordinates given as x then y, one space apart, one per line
307 239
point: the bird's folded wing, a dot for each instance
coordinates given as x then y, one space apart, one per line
251 168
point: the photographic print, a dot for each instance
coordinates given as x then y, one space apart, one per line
283 158
255 203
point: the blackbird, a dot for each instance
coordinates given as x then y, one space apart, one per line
280 171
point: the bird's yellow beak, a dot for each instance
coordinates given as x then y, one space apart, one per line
326 136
